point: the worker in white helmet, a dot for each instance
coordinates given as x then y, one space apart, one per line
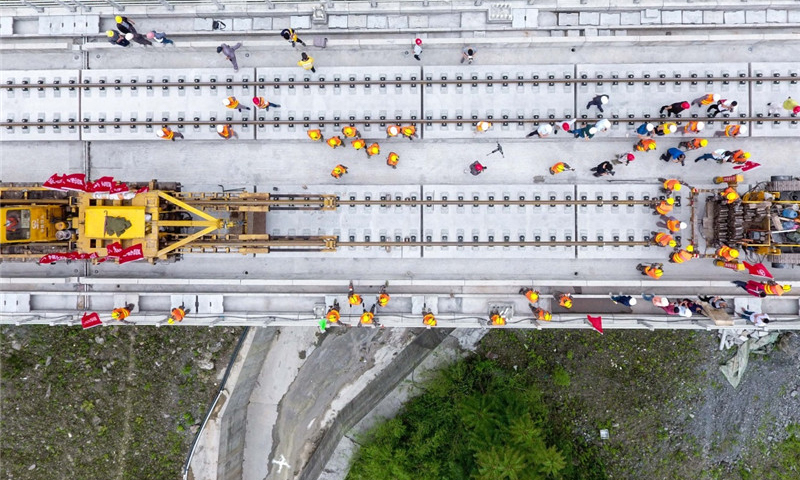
542 131
598 101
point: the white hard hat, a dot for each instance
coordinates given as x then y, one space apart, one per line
661 302
743 129
592 131
604 99
672 127
226 101
603 123
683 225
633 301
649 127
161 133
700 126
546 129
715 97
128 36
220 128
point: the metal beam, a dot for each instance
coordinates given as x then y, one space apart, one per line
37 8
116 5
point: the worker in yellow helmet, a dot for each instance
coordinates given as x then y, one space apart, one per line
334 142
540 313
670 185
338 171
383 297
350 132
428 319
730 195
665 206
373 150
531 294
177 314
565 300
333 315
409 131
727 253
359 143
353 297
560 167
495 319
315 135
663 239
694 144
368 317
683 255
654 270
392 159
122 313
125 25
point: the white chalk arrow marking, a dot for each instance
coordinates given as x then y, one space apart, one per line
281 464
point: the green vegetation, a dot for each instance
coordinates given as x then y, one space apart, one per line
480 420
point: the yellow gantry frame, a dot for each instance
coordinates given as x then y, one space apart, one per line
208 225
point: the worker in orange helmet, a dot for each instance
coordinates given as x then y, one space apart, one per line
670 185
373 149
664 239
672 224
645 145
727 253
730 195
353 297
359 143
333 315
122 313
531 294
409 131
261 102
234 104
654 270
177 314
168 134
368 317
540 313
739 157
226 132
683 255
350 132
334 142
483 126
392 159
495 319
560 167
315 135
428 319
665 206
392 131
694 144
565 300
338 171
383 297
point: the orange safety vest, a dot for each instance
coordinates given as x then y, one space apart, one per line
708 99
738 156
664 208
671 184
168 134
333 316
681 256
383 299
483 126
354 299
532 296
542 314
646 144
663 239
349 132
334 142
691 127
673 225
120 313
655 273
558 168
429 320
565 301
358 143
408 131
233 103
315 135
773 289
373 149
261 102
226 132
732 130
730 194
366 318
392 159
338 171
695 144
177 315
392 130
726 252
498 320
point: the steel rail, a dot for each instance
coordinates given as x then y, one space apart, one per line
504 80
556 243
425 202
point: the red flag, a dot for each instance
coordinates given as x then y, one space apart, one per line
119 188
55 182
75 181
131 254
758 270
114 249
746 166
52 258
597 322
143 190
102 184
90 320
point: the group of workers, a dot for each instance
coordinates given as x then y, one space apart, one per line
177 314
126 33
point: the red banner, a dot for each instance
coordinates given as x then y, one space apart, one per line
119 188
52 258
597 322
758 270
90 320
55 182
143 190
131 254
114 249
102 184
75 181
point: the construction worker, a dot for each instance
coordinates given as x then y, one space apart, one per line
122 313
373 149
333 314
234 104
226 132
565 300
674 155
428 319
665 129
670 185
733 131
392 131
727 253
495 319
334 142
694 127
338 171
392 159
706 100
531 294
560 167
683 255
291 36
409 131
773 288
694 144
540 313
587 132
730 195
167 134
177 314
306 62
665 206
315 135
368 317
654 270
645 130
261 102
664 239
353 297
675 108
383 297
645 145
672 224
350 132
483 126
739 156
359 143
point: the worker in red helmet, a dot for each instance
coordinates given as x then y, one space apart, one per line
675 108
261 102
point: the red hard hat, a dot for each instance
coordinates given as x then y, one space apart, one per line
255 100
418 41
796 109
685 105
